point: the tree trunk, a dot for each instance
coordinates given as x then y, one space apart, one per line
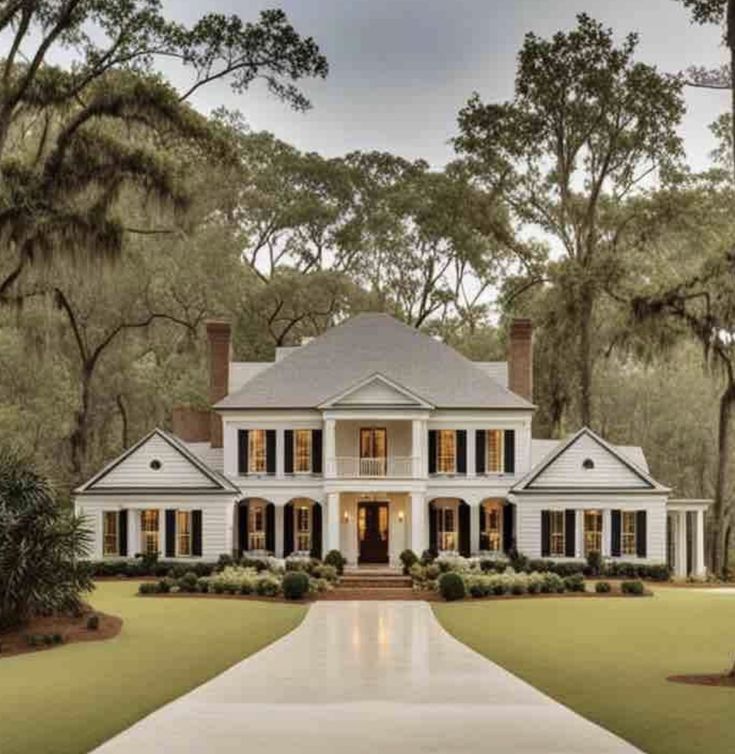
586 305
78 437
730 35
720 509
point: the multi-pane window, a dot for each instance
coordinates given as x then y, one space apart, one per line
446 451
446 528
183 533
149 532
373 451
256 451
493 526
628 543
302 514
256 528
592 532
495 450
302 450
110 540
556 532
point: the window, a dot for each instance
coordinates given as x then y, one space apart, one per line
628 543
592 532
256 451
110 542
446 528
149 532
302 527
446 451
302 451
256 526
183 533
373 451
495 451
493 526
556 526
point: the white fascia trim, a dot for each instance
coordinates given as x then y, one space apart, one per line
417 399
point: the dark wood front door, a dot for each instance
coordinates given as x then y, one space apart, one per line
372 532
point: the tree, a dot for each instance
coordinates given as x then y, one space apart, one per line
64 157
587 127
41 545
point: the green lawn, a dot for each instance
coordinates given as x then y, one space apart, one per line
608 660
67 700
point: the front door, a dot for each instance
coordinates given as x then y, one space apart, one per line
372 532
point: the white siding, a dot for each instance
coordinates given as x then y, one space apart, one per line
176 471
567 470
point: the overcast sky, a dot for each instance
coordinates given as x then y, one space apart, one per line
401 69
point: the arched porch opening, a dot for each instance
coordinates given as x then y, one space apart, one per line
256 526
449 526
302 528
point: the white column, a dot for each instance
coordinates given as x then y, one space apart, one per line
680 549
230 528
474 528
280 442
330 445
579 534
700 570
606 533
419 533
471 463
133 533
333 521
418 430
279 530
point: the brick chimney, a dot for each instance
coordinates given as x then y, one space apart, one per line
220 353
191 424
520 358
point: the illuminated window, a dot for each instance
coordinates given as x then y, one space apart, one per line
302 526
110 535
256 526
628 534
592 532
446 451
495 451
183 532
446 528
556 527
493 526
149 532
302 450
256 451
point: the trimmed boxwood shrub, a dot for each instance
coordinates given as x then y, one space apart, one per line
188 582
295 585
408 558
336 559
633 588
148 587
574 583
603 587
451 586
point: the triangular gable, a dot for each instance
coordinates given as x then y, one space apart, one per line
158 461
586 461
376 390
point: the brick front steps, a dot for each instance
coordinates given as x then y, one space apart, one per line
374 584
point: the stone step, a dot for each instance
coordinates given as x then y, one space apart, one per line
384 582
373 594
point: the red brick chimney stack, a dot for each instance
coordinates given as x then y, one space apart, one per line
520 358
220 355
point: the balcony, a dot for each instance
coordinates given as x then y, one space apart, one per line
352 467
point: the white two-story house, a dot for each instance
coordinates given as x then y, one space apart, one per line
374 438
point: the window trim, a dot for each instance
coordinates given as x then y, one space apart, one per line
557 537
439 434
297 508
597 513
144 533
501 451
115 516
630 515
252 434
189 515
310 462
252 531
488 533
441 529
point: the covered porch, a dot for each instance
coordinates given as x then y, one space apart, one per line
685 537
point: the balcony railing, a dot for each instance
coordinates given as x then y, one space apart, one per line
372 468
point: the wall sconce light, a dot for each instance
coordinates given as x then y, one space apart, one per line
346 517
400 517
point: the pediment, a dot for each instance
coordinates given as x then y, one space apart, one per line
376 391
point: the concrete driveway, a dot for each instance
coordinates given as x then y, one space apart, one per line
365 678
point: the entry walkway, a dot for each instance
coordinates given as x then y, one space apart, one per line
365 678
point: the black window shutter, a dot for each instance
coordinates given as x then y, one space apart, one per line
196 533
122 533
461 451
484 542
432 452
508 531
242 526
640 534
270 527
433 528
242 451
170 533
287 529
615 534
545 534
464 530
480 451
270 451
288 451
316 451
570 533
316 531
509 449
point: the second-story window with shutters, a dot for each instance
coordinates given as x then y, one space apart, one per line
302 451
257 451
495 451
446 451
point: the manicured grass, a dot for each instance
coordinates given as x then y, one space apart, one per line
70 699
608 660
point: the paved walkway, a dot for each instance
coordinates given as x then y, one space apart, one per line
365 678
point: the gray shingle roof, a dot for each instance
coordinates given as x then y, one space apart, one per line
365 345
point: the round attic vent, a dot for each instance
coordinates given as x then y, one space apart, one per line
588 463
155 464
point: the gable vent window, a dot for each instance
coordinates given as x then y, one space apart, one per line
588 463
155 464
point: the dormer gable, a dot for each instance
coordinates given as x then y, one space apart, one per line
376 391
